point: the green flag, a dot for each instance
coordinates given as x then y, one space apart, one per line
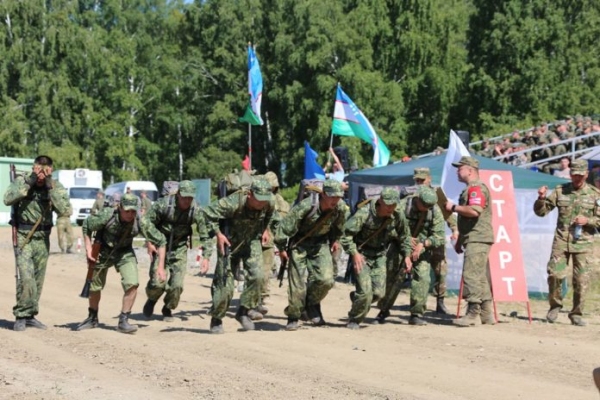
250 117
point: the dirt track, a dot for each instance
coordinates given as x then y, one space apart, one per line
181 360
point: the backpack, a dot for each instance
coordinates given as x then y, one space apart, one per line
235 181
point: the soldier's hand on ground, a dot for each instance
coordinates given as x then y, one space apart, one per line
359 262
222 241
458 248
204 266
266 237
408 265
542 192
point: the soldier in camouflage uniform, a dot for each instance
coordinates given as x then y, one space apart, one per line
366 237
578 206
99 203
167 225
114 230
313 229
35 196
426 232
145 201
249 215
475 238
422 176
65 230
282 207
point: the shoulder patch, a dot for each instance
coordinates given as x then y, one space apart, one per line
476 197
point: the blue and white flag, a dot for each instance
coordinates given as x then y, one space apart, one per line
348 120
255 83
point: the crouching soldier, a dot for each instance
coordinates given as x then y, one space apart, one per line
367 235
114 230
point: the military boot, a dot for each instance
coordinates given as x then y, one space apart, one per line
242 317
416 320
19 325
380 318
292 324
577 320
440 307
552 315
124 325
261 308
34 323
254 315
149 308
216 326
90 322
487 313
315 315
167 315
472 316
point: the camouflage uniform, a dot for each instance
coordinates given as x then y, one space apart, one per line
426 227
571 202
310 272
246 229
146 205
116 239
166 225
476 236
116 249
34 203
369 234
336 255
65 230
268 250
98 205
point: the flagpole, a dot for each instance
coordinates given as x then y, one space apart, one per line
250 145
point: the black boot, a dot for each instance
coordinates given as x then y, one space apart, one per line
124 325
90 322
149 308
380 318
167 314
441 307
34 323
242 317
216 326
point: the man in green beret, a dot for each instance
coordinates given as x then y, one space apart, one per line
310 233
114 230
475 239
167 225
578 206
426 230
251 216
367 235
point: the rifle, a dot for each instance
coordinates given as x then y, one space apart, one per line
281 273
224 228
85 293
14 224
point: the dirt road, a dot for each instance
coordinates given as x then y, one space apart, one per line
181 360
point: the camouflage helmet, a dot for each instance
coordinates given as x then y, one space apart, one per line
129 202
271 177
261 190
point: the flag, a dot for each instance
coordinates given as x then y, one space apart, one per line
348 120
449 182
255 87
312 169
246 163
250 117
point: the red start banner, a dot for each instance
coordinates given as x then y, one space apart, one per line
506 259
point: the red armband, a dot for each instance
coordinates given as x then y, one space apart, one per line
476 197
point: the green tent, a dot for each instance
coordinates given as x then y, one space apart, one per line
401 174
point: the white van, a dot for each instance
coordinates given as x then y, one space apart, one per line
136 188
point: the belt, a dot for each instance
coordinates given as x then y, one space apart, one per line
40 228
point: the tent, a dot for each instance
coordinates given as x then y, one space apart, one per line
536 233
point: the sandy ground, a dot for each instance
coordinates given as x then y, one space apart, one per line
181 360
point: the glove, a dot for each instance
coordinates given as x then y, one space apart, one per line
32 180
48 181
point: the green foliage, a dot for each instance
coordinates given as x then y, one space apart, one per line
153 89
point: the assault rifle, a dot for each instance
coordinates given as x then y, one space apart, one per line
14 224
224 228
85 293
282 268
